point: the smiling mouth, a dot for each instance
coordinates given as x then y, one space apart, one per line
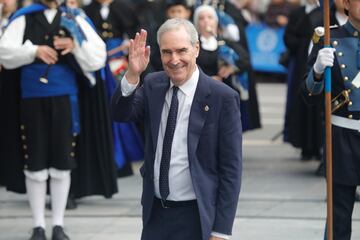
176 68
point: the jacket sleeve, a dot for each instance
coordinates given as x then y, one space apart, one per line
129 108
312 89
229 166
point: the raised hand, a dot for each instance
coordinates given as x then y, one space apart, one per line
139 57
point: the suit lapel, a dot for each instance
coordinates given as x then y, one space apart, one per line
198 113
157 99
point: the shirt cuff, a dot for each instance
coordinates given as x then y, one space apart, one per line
220 235
127 88
31 48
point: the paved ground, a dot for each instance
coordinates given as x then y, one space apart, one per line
281 198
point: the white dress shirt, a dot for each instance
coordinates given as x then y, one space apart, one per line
91 55
180 182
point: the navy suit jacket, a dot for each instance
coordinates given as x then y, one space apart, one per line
214 145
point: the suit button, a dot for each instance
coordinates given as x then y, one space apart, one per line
350 116
343 66
335 43
346 78
350 103
340 54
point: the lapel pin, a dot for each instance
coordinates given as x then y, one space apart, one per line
206 108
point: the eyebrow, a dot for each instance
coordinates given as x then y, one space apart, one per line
176 50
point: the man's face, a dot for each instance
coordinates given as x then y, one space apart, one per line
178 56
353 6
178 11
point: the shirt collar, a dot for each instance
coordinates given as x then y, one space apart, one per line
209 44
309 7
189 86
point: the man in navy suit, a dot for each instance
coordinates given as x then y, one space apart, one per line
193 146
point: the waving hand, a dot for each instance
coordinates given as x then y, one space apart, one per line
139 56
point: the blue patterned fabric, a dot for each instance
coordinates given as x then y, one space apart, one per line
69 23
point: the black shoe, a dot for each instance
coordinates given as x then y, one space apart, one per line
305 157
357 196
38 234
320 171
59 234
71 202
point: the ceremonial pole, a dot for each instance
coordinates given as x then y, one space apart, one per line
328 146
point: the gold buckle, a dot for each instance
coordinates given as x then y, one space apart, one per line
340 100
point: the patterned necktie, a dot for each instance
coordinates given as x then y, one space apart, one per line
166 151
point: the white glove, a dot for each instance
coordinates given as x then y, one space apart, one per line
325 58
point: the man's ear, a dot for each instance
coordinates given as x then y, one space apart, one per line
346 6
197 48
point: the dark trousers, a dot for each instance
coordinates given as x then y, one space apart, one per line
173 223
344 199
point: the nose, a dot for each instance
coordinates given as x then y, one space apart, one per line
174 59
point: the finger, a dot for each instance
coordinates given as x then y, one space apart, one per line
137 41
147 53
143 35
131 47
53 54
61 45
48 60
66 51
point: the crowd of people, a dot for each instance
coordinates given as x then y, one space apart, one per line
68 69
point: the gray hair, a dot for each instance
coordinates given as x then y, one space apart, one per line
203 8
175 24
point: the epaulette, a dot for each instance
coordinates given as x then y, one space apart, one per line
320 32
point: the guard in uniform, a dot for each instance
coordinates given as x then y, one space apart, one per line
344 58
43 42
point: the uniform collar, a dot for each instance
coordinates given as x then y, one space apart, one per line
351 29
